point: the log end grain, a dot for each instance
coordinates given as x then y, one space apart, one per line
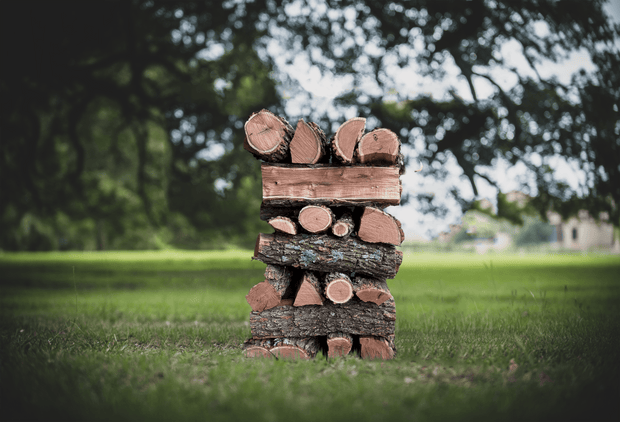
379 146
377 226
339 344
307 147
346 138
316 218
373 295
375 348
343 226
257 352
339 291
309 291
267 136
284 225
290 352
262 296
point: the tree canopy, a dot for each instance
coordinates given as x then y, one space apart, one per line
122 124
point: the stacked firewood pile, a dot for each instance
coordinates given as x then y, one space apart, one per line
333 248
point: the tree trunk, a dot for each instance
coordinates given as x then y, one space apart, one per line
346 138
268 293
339 344
284 225
316 218
373 347
296 185
354 317
377 226
309 292
308 145
371 290
344 226
378 146
338 287
328 254
268 136
287 348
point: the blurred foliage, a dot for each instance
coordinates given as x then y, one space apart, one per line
122 124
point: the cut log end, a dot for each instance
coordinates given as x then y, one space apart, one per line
339 291
284 225
289 352
262 296
377 226
375 348
308 144
316 218
346 138
344 226
339 344
257 352
309 291
267 136
373 295
379 146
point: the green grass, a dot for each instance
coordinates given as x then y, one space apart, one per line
157 335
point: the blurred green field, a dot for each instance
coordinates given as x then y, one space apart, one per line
156 335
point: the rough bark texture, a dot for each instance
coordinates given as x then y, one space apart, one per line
316 218
373 347
287 348
378 146
267 294
295 185
308 145
309 292
339 344
328 254
338 287
377 226
354 317
346 138
371 290
344 226
284 225
268 136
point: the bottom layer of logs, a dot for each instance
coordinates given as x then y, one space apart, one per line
333 345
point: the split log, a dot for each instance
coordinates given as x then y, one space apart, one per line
346 138
328 254
284 225
377 226
339 344
295 185
354 317
316 218
344 226
338 287
267 212
287 348
309 143
268 293
371 290
268 136
373 347
309 292
378 146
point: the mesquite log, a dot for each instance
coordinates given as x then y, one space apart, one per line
284 225
316 218
373 347
268 136
344 226
346 138
377 226
379 146
371 290
309 291
308 145
328 254
338 287
339 344
293 348
269 293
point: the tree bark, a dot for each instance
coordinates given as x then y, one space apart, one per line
308 145
344 226
354 317
287 348
309 292
316 218
267 294
284 225
328 254
338 287
377 226
378 146
346 138
268 136
371 290
296 185
373 347
339 344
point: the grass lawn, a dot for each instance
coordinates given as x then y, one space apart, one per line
157 335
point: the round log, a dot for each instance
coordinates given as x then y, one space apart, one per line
268 136
338 287
378 146
339 344
316 218
375 348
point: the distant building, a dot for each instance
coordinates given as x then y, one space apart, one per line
582 232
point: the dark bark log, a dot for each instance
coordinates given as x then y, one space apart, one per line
339 344
267 294
373 347
379 146
354 317
296 185
316 218
371 290
309 144
344 226
282 348
284 225
309 292
346 138
268 136
338 287
328 254
377 226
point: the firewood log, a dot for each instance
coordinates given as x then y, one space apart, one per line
339 344
338 287
316 218
371 289
268 136
268 293
309 143
379 146
328 254
377 226
373 347
287 348
296 185
284 225
346 138
309 291
344 226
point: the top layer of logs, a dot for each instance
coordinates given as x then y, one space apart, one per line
271 138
